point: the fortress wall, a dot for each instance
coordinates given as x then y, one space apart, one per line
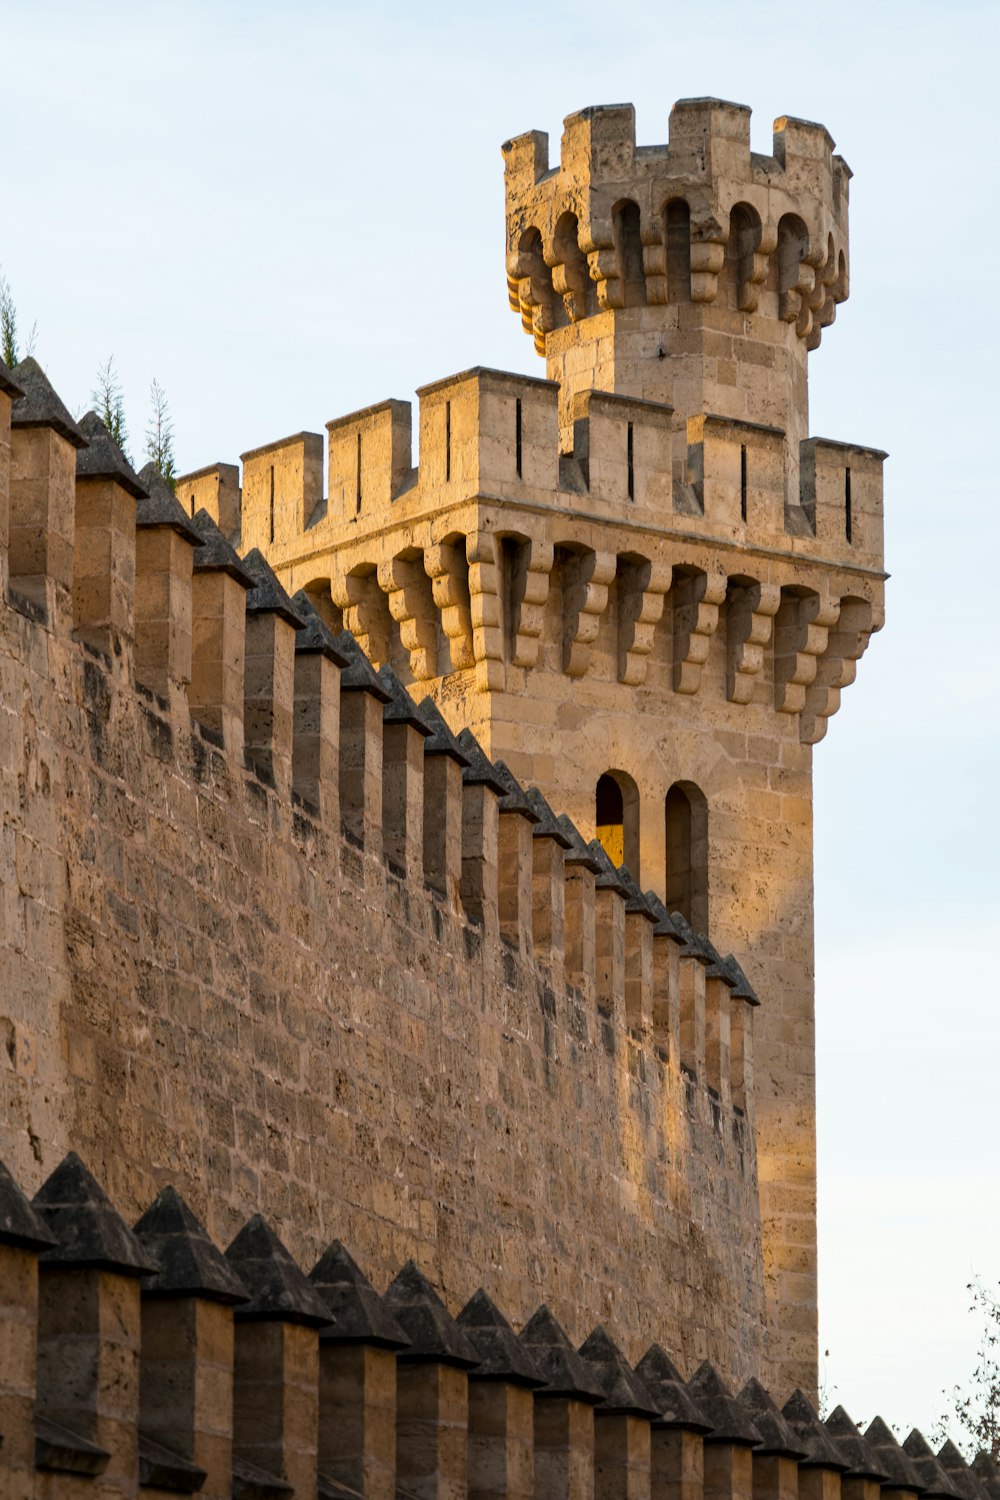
206 983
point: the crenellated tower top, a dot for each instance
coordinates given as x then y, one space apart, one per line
697 274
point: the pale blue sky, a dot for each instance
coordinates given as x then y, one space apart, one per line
286 213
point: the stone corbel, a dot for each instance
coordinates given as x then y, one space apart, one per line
605 271
750 616
837 667
708 254
362 604
642 589
757 268
533 601
585 598
801 634
654 262
697 599
445 567
484 610
405 585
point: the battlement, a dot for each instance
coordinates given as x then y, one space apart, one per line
191 741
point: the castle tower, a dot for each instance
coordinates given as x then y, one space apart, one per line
639 582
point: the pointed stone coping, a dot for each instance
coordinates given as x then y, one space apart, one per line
624 1391
566 1373
548 825
663 1381
901 1472
987 1474
39 405
635 901
731 1422
251 1483
693 945
933 1476
400 708
742 988
861 1461
717 966
8 384
268 597
103 459
358 676
358 1315
778 1439
161 1468
665 926
608 878
435 1337
190 1264
960 1474
160 507
19 1223
479 771
86 1229
279 1290
514 799
316 638
822 1451
215 554
502 1355
578 851
442 741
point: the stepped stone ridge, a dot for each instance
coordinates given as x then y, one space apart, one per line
433 1333
821 1449
501 1354
278 1289
566 1373
624 1391
86 1229
900 1471
101 457
777 1434
357 1313
189 1264
39 406
674 1402
731 1423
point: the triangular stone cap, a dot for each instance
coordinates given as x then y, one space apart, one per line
268 597
777 1436
664 922
358 676
479 771
8 384
822 1451
578 851
635 901
731 1423
717 966
400 707
251 1483
161 507
161 1468
548 825
278 1288
933 1476
358 1315
442 740
693 945
86 1228
624 1391
190 1264
861 1461
900 1471
514 799
66 1452
103 459
39 405
315 636
215 555
565 1372
961 1475
987 1473
676 1406
502 1355
608 878
19 1223
435 1337
742 988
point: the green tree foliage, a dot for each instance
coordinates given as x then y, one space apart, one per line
160 435
109 403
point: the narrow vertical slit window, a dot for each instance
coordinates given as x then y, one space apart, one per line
447 440
192 505
357 495
517 434
743 481
848 518
272 503
631 464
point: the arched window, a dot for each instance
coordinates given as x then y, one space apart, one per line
744 239
686 882
678 233
617 818
628 243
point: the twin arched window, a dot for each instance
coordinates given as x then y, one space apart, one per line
685 813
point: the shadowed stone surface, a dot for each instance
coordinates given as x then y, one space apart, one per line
959 1472
278 1288
935 1479
358 676
442 740
624 1392
267 595
315 636
190 1264
578 851
674 1403
548 826
87 1230
730 1420
859 1457
434 1335
900 1473
160 506
215 555
821 1449
40 406
565 1372
19 1223
358 1315
103 459
514 799
502 1355
777 1436
400 707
